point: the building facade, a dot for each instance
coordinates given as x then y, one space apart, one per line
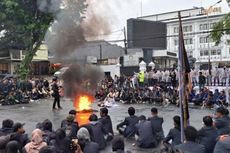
196 27
12 58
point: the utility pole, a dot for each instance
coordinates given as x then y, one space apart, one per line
100 52
125 41
141 8
209 10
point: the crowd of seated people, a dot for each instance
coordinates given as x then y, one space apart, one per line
97 135
207 98
13 91
110 91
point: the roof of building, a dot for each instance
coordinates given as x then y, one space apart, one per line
98 49
187 15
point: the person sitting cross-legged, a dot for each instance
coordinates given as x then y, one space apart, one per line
127 127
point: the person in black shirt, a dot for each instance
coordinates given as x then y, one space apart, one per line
207 135
56 94
174 133
201 81
106 120
129 123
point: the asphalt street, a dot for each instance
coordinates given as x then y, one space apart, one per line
40 110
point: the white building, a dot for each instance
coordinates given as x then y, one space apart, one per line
196 27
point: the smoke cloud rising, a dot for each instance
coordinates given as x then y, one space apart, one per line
75 21
81 79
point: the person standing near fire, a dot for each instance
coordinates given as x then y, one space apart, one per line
56 94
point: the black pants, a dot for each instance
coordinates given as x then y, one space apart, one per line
56 100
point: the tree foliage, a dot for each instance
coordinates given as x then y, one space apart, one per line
221 28
24 27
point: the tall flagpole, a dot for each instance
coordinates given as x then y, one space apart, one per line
181 80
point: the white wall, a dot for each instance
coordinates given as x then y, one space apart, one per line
113 69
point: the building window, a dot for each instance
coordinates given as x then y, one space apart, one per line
189 53
228 42
205 40
206 52
176 42
176 29
187 28
218 52
213 52
188 41
3 68
201 53
212 25
204 26
15 54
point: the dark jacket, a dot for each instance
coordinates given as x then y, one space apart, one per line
107 124
207 136
71 130
174 135
22 139
201 79
5 131
147 137
222 146
98 132
48 136
157 126
223 125
3 142
55 89
130 128
91 147
62 146
191 147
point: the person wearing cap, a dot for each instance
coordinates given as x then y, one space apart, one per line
71 128
56 94
19 135
146 137
71 113
222 121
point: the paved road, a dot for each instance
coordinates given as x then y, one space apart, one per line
38 111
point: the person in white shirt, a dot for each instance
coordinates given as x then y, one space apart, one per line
167 76
216 76
223 76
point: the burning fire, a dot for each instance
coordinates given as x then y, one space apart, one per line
82 104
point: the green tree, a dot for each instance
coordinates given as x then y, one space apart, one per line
24 27
221 28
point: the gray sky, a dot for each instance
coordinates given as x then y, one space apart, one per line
121 10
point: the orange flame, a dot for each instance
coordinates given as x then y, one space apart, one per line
82 103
